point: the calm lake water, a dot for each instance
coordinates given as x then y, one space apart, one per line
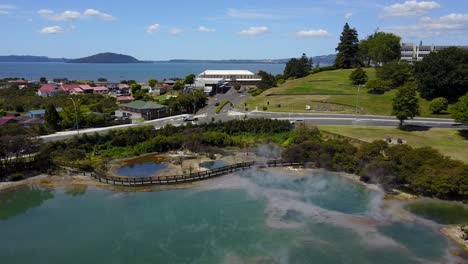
117 72
257 217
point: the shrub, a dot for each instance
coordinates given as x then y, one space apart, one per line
376 86
438 105
16 177
255 92
221 106
265 108
358 76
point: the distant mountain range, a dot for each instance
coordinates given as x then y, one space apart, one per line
27 58
109 57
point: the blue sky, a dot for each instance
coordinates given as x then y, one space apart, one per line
203 29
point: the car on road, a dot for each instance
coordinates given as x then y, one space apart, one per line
293 122
190 118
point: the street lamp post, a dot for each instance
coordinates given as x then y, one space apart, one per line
76 116
357 101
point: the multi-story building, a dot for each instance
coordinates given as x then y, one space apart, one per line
412 52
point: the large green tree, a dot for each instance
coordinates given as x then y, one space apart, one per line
52 117
460 110
348 49
298 68
268 80
396 73
189 79
443 74
380 47
135 87
405 103
152 82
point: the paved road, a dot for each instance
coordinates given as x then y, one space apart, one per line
361 120
318 119
174 120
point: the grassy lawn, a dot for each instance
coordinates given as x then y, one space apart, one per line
329 92
449 142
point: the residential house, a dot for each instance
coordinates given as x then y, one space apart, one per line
87 89
125 99
141 109
8 120
100 90
40 113
47 90
124 88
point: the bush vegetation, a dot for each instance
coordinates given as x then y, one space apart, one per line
423 171
221 106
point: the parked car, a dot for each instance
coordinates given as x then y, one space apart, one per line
190 118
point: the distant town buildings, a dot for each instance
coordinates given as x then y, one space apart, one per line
412 52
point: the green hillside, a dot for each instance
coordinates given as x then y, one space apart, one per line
328 92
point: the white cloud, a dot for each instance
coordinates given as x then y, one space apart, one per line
428 27
7 7
248 14
45 12
205 29
175 31
65 16
98 14
411 8
312 33
348 15
253 31
51 30
151 29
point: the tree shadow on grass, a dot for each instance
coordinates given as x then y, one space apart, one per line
463 133
411 128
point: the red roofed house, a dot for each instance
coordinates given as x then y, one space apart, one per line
8 120
47 90
86 88
101 90
76 91
70 87
125 99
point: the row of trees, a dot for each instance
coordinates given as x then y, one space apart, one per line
378 48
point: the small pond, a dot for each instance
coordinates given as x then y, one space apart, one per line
213 164
145 169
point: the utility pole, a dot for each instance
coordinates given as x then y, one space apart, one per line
76 116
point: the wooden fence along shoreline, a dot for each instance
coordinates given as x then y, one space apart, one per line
183 178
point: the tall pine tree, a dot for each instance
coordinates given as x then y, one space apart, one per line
348 49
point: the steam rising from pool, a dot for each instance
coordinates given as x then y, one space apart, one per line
300 199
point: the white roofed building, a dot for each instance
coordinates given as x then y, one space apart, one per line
226 78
